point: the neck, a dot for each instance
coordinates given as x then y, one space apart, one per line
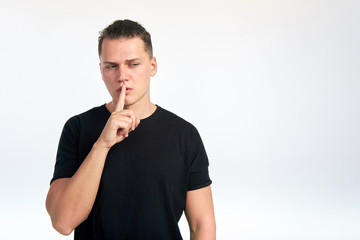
142 111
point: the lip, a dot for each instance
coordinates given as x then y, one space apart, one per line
127 89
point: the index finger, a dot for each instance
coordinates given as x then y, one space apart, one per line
121 101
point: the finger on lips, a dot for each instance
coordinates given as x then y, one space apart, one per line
119 109
121 100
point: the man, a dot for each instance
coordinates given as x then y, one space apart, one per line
129 168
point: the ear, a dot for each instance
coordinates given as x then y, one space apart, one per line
101 71
153 67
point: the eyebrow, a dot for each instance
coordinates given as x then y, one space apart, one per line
127 61
132 60
111 63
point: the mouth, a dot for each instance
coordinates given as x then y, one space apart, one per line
127 89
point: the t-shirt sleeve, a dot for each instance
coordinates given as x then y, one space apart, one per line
199 172
67 161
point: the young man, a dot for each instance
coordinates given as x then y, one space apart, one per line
129 168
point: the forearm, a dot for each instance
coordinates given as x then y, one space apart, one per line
70 204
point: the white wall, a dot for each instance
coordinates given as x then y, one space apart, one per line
273 87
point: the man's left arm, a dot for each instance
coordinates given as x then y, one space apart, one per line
199 211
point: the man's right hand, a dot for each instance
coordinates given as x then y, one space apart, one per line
119 124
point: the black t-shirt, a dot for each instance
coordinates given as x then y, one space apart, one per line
143 187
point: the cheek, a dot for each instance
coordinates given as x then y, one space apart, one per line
109 83
140 76
109 78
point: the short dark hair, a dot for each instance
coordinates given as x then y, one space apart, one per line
126 29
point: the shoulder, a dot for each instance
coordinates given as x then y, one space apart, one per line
93 114
175 123
174 120
99 111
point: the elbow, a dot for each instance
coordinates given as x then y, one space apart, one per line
59 222
63 227
64 231
205 230
65 224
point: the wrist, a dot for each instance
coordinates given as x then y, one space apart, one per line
99 146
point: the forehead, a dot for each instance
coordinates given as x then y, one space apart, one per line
123 48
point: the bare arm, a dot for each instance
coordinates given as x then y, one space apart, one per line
70 200
199 211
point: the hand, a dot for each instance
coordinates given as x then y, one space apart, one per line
119 124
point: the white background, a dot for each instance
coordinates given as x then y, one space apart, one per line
272 86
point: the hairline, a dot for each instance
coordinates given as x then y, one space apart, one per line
147 50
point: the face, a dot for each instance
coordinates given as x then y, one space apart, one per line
124 62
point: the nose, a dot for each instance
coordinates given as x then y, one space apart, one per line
122 74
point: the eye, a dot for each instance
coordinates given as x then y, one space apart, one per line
110 67
133 64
